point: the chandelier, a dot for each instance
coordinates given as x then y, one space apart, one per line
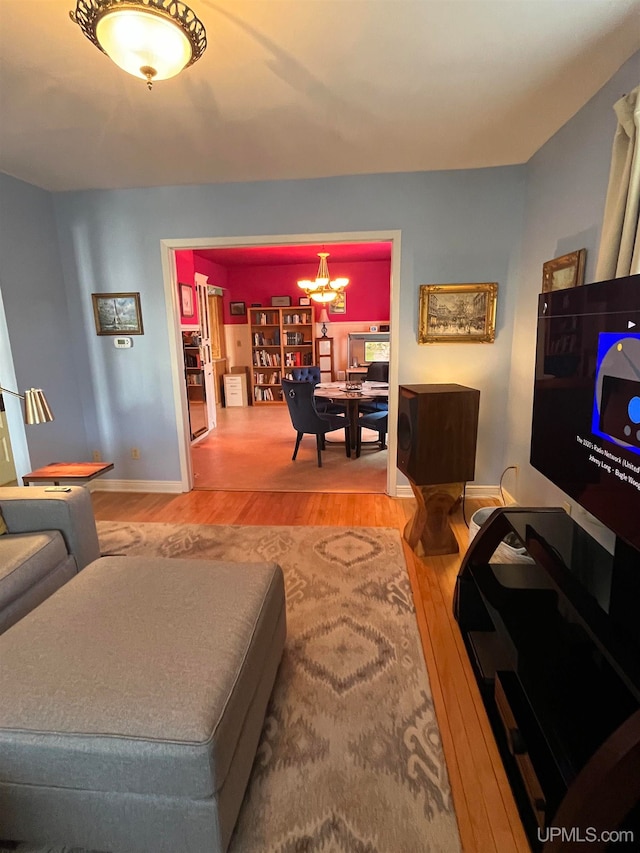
151 39
323 289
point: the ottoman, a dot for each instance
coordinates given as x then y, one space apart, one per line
132 701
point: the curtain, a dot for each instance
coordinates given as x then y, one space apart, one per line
619 253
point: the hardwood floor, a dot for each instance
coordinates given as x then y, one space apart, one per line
487 815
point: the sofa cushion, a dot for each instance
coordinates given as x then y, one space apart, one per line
149 684
25 558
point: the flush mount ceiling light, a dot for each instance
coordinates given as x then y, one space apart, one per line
151 39
323 289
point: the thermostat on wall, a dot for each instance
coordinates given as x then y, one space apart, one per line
122 343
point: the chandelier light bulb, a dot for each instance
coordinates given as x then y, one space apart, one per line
323 289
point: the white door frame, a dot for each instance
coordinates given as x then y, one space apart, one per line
167 248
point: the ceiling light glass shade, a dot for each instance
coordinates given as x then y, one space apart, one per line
323 290
140 41
150 39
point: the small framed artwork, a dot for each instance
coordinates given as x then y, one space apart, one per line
237 309
115 313
304 300
256 304
339 304
457 313
186 300
564 272
280 301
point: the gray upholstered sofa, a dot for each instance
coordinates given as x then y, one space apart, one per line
52 536
132 698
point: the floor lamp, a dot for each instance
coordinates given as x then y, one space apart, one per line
36 408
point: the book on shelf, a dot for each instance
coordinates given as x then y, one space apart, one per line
264 358
260 393
303 319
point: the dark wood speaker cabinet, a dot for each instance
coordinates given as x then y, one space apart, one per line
437 429
557 661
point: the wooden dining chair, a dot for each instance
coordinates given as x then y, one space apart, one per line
306 419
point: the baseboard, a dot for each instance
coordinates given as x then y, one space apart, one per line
161 486
470 492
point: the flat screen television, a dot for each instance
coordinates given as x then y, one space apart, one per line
586 407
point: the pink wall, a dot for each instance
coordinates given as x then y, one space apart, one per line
217 275
367 294
184 272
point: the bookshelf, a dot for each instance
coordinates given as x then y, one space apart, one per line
281 338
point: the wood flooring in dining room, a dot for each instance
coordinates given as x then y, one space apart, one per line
487 816
251 447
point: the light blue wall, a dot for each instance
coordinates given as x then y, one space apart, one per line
566 188
35 305
456 227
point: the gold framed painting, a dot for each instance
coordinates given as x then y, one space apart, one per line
117 313
564 272
457 313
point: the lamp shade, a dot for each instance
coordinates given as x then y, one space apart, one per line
36 408
324 317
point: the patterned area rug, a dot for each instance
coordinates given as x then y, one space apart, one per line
350 759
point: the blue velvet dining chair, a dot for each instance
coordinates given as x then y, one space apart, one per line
377 421
377 371
312 374
307 420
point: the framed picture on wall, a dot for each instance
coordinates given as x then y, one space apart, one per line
564 272
186 300
237 309
280 301
115 313
457 313
339 304
304 300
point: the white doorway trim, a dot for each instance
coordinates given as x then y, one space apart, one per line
167 248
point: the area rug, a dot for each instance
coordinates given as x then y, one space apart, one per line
350 759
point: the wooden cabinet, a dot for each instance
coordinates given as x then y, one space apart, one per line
324 358
281 338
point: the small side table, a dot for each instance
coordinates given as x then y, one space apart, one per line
73 472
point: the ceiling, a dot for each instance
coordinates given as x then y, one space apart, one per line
305 88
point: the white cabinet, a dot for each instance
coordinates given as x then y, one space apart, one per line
324 358
235 389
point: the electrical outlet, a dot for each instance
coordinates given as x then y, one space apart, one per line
97 456
135 453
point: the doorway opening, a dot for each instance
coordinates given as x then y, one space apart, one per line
249 440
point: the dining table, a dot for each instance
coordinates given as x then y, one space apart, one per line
351 395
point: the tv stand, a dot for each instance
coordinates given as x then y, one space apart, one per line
558 666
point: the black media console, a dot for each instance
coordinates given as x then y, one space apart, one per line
557 657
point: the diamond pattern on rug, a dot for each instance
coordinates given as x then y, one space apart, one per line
342 653
348 548
333 834
288 740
